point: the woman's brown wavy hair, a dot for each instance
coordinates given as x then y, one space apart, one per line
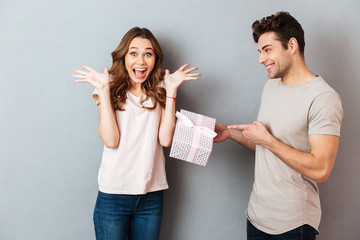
120 77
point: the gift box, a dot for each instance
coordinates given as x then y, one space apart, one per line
193 137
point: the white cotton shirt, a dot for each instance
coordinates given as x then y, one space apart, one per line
137 165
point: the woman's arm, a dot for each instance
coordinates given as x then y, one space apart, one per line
172 83
108 128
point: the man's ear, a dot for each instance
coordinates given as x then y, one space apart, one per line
293 45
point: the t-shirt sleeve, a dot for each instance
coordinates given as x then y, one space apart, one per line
325 115
95 96
162 84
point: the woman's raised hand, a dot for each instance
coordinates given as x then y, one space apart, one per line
100 80
174 80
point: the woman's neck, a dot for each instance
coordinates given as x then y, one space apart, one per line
136 89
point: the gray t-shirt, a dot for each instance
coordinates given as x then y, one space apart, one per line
283 199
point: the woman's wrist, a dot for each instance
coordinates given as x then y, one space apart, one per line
171 93
104 96
169 97
104 91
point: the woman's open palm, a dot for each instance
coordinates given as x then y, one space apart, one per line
100 80
174 80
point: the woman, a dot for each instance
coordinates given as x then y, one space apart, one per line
137 118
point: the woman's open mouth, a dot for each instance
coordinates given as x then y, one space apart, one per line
140 72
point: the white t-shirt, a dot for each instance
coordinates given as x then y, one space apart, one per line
283 199
137 165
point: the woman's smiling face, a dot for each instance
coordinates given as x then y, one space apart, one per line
140 60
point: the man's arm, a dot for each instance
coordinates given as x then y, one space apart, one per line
224 133
316 165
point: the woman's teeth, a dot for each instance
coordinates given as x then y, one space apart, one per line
139 72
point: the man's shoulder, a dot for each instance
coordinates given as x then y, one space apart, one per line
319 86
320 83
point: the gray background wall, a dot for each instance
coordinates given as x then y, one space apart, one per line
49 143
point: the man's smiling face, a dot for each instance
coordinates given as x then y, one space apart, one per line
274 56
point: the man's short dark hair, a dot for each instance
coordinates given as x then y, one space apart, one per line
283 25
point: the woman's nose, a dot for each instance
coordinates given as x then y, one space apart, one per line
140 59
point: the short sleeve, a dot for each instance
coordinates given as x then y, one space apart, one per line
325 114
162 84
95 96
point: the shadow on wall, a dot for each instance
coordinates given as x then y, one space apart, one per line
336 60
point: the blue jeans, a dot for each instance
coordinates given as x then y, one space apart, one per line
125 217
304 232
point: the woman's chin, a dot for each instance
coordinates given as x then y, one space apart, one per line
135 80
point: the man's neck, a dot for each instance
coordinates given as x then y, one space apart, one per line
298 74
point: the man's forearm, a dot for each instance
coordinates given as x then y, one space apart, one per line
238 137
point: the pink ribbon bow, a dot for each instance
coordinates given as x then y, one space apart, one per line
199 129
200 126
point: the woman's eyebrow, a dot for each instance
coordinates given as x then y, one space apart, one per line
136 48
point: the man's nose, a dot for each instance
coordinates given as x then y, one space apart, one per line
262 58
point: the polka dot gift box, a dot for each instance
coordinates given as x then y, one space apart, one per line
193 137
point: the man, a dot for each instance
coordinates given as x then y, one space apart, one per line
295 137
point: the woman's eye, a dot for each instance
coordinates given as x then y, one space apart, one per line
133 54
148 54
